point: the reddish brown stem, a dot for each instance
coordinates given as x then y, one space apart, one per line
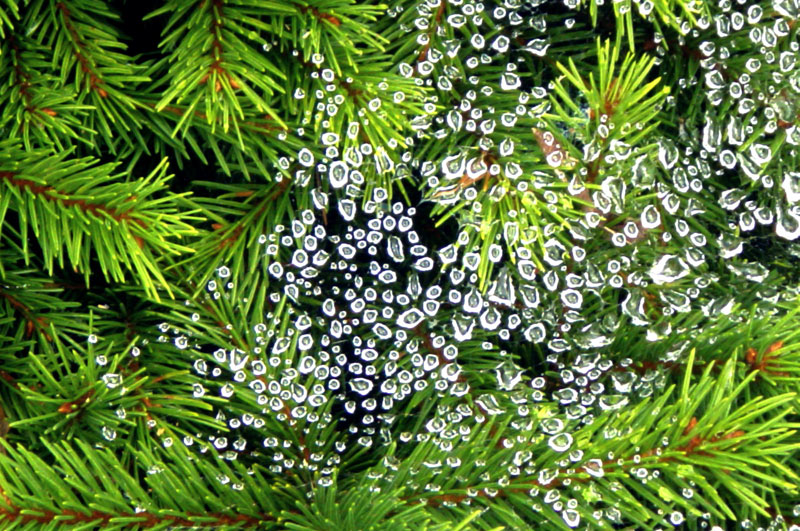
86 66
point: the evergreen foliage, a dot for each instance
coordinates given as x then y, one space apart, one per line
427 264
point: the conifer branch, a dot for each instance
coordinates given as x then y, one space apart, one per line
580 314
137 228
37 109
9 14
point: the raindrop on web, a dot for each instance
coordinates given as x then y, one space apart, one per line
612 402
667 153
410 318
791 186
572 298
667 269
329 139
727 159
551 280
560 442
535 333
788 223
112 380
571 517
362 386
305 157
338 174
347 208
537 47
509 81
108 433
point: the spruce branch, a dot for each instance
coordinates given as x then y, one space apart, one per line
211 56
259 134
9 14
716 446
241 218
586 322
37 108
87 54
616 100
131 225
339 30
52 495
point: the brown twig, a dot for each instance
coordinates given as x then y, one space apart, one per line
97 210
31 321
216 48
102 519
86 66
24 81
320 15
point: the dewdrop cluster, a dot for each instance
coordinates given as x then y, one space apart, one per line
573 274
374 338
366 325
590 275
762 96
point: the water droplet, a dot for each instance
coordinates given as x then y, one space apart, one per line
572 299
560 442
571 517
112 380
238 359
329 139
455 122
473 302
395 248
347 209
535 333
554 252
764 215
760 154
730 199
338 174
305 157
633 307
448 254
362 386
752 272
462 327
410 318
788 224
226 391
490 318
527 269
508 376
650 217
500 44
667 153
754 13
537 47
714 80
551 280
712 134
668 268
487 403
729 245
108 433
509 81
791 186
787 61
612 402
